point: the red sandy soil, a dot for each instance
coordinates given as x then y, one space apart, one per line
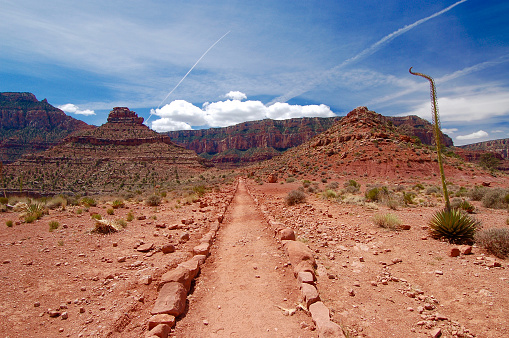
373 280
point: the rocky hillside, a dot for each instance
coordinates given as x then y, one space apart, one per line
254 141
500 147
29 126
121 155
362 144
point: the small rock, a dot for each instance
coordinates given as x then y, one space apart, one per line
351 292
64 315
115 244
145 247
147 279
466 249
439 272
168 248
121 259
287 234
184 237
205 322
37 304
428 306
357 283
53 313
405 227
83 288
436 333
455 252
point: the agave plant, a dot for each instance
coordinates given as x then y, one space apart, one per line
453 225
33 211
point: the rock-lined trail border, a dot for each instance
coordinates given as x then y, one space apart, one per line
304 267
175 284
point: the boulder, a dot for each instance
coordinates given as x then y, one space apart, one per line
299 252
161 331
202 249
171 300
309 294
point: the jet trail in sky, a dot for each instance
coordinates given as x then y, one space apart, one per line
366 52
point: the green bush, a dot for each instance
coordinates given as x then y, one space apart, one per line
453 225
110 211
33 211
372 194
96 216
295 197
121 222
408 198
418 186
9 223
130 217
88 202
495 199
53 225
117 204
388 221
433 190
4 200
198 189
495 241
153 201
290 180
79 211
328 194
306 183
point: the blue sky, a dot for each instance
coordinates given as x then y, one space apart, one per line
279 59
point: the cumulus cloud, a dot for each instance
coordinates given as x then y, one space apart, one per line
180 114
166 124
73 109
236 95
449 130
474 136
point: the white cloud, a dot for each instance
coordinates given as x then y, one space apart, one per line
73 109
469 107
449 130
497 131
474 136
166 124
283 111
236 95
180 114
181 111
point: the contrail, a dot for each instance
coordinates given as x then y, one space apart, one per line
366 52
178 84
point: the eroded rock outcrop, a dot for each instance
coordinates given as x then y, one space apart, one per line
30 126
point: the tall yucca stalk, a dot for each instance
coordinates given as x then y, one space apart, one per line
437 132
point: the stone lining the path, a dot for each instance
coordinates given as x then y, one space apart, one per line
304 265
175 284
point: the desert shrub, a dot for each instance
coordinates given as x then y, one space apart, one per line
121 222
79 211
105 227
328 194
290 179
153 200
462 192
295 197
351 186
56 202
53 225
408 198
117 204
333 185
9 223
306 183
33 211
324 180
96 216
433 190
477 193
88 202
418 186
454 225
372 194
130 217
199 190
110 211
458 203
489 161
4 200
388 221
495 199
495 241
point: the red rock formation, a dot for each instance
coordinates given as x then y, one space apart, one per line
28 125
122 154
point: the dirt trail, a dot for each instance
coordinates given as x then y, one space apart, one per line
243 282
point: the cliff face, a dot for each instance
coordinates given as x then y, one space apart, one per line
260 140
122 154
28 125
250 141
500 147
